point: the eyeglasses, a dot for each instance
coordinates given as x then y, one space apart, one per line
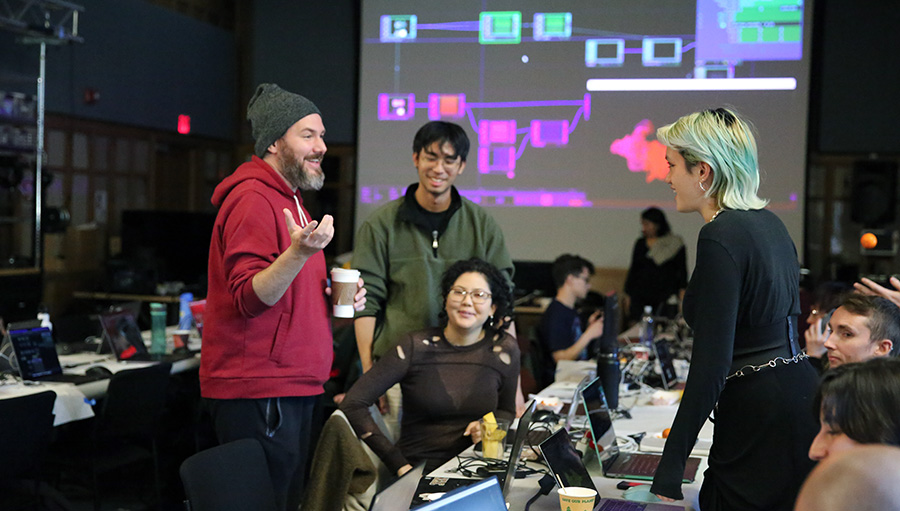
458 294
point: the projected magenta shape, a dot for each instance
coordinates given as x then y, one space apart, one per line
641 154
446 106
496 158
496 132
571 198
396 107
544 133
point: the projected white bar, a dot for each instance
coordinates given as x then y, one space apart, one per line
688 84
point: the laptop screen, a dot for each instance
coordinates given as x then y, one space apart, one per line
518 443
564 461
123 335
35 351
666 363
600 420
484 495
400 493
575 406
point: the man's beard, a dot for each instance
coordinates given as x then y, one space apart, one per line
292 170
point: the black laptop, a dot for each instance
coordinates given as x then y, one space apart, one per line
122 335
617 464
566 465
506 475
36 355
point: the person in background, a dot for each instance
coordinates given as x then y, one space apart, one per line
450 376
658 266
858 404
826 298
863 480
267 344
742 303
862 328
560 332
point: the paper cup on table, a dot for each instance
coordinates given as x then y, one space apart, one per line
493 438
180 338
576 498
344 284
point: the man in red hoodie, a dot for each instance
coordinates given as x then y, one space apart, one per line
267 345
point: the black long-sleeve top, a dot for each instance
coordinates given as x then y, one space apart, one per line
445 387
744 287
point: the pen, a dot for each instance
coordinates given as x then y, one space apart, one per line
624 485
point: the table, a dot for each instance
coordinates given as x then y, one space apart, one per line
645 419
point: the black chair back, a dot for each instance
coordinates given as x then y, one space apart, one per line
134 402
26 425
231 476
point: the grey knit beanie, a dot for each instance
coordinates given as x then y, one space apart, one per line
271 111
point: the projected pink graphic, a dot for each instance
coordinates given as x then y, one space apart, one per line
642 155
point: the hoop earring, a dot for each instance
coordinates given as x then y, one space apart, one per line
701 185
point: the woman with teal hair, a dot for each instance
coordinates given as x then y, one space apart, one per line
742 303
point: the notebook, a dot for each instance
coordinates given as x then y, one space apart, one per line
400 493
628 465
506 476
566 465
484 495
36 354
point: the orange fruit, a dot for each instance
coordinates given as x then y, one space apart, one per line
665 433
868 241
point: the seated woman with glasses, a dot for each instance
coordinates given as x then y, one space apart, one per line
450 376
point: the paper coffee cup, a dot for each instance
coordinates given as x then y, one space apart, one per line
344 284
576 498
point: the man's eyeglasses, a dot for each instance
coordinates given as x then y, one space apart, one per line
458 294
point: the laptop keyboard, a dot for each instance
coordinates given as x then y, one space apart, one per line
640 465
621 505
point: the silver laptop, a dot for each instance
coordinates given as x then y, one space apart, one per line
400 493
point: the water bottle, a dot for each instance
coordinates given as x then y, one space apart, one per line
647 328
157 329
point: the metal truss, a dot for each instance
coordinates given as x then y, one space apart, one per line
41 21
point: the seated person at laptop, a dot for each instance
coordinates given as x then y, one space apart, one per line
858 404
450 376
862 328
561 333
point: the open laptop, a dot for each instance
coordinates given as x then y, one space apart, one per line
36 354
400 493
506 476
484 495
666 363
565 463
627 465
122 335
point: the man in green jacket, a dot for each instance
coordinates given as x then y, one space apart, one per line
403 248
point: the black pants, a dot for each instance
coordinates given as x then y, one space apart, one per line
282 426
764 425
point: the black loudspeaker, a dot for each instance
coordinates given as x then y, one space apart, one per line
609 374
873 201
